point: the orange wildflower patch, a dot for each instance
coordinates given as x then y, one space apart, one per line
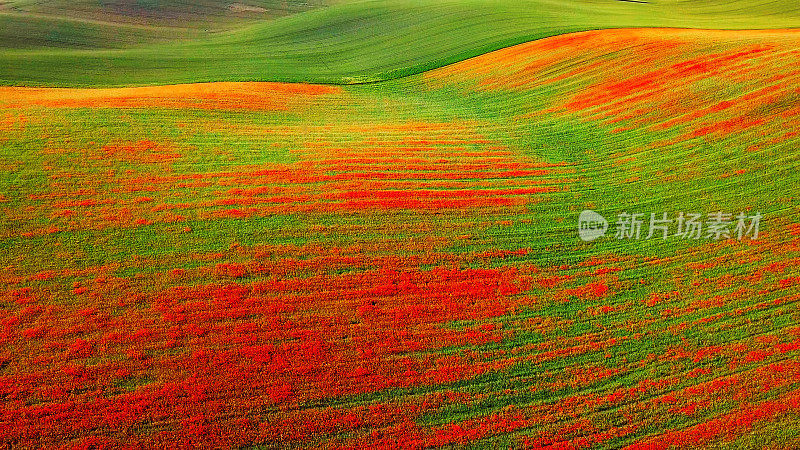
218 95
654 78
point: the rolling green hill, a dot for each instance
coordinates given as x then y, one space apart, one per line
202 14
116 24
352 41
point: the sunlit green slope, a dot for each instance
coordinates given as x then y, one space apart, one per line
359 41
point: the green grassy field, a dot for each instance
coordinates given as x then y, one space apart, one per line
349 42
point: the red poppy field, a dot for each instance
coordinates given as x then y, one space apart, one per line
398 264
